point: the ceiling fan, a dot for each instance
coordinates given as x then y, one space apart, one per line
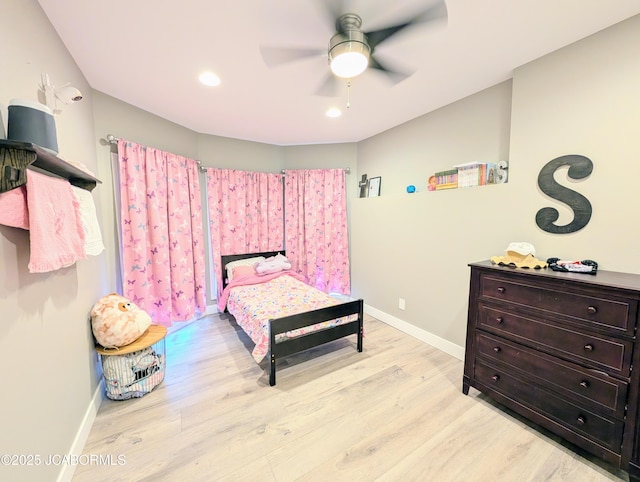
351 49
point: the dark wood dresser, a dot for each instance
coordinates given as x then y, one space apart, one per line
561 349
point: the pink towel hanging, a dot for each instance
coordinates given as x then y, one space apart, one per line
56 232
13 208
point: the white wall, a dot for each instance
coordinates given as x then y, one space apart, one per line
48 369
416 246
227 153
325 156
583 99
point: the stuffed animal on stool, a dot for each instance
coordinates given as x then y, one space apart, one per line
116 321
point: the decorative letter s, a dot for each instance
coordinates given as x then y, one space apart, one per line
579 168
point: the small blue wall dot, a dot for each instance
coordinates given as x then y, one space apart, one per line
411 188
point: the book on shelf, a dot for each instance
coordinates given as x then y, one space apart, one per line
476 174
487 173
468 174
446 179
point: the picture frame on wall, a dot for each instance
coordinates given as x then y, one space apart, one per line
374 186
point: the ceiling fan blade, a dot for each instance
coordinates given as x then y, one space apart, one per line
434 13
274 56
329 88
334 9
394 75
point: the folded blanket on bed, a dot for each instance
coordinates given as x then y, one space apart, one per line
272 265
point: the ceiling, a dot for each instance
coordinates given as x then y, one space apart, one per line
149 53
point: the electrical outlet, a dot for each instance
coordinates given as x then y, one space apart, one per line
401 303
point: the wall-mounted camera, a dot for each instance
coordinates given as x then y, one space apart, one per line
65 94
68 94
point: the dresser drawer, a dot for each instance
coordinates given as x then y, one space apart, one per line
601 310
590 349
604 431
591 388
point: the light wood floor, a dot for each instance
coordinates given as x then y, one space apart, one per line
394 412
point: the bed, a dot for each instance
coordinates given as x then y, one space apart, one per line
283 315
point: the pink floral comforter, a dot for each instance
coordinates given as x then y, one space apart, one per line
254 300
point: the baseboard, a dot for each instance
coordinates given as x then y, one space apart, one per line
67 470
422 335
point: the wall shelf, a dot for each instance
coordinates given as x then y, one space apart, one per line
16 156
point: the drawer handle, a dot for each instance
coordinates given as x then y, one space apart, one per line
588 347
497 349
592 309
499 319
581 420
501 289
495 378
584 384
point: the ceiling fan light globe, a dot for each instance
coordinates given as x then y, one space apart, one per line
209 79
349 64
349 54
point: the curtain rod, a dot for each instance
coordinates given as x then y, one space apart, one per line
111 139
346 169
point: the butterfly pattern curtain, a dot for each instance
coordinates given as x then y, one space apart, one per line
245 214
316 235
161 233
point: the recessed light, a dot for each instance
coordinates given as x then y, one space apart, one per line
209 78
334 112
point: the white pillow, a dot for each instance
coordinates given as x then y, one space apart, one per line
241 262
274 264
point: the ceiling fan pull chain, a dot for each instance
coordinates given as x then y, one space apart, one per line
348 93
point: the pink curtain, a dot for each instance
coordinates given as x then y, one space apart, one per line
245 213
161 231
316 236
